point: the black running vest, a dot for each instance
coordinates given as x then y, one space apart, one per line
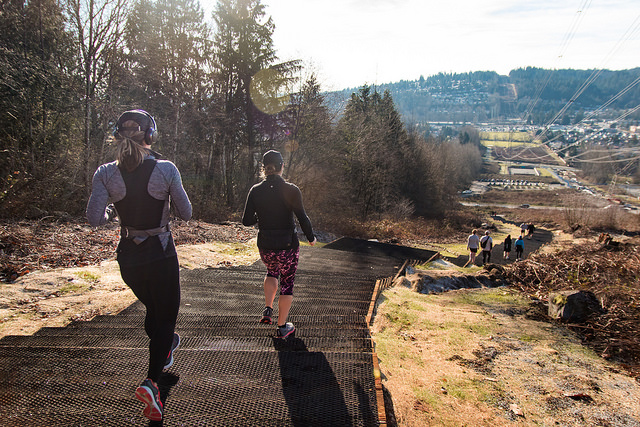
138 209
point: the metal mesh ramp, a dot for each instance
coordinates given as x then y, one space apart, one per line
385 250
229 370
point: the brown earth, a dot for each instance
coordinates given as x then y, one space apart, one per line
481 357
525 153
53 272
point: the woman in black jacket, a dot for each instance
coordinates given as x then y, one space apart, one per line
507 247
272 204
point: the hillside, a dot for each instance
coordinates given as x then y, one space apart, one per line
497 361
485 96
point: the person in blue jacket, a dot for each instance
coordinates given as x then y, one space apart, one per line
519 248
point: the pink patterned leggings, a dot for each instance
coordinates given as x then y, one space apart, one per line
282 264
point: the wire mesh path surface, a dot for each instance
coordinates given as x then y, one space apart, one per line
229 370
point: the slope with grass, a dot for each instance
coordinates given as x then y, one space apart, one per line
478 358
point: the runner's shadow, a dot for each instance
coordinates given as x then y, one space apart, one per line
311 390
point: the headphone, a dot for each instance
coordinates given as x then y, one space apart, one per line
144 120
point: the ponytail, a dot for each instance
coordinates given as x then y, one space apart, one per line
270 169
129 150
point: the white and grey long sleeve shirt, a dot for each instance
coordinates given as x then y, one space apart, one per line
164 184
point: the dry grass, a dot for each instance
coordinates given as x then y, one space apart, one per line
526 153
560 197
410 231
472 357
578 211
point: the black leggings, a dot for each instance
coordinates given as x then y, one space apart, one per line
157 286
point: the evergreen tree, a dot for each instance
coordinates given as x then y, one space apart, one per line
308 128
37 100
309 152
243 46
372 137
169 47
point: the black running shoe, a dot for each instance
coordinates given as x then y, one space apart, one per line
148 394
286 330
266 315
176 343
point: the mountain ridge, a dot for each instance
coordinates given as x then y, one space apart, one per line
531 95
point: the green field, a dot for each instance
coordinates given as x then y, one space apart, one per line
504 139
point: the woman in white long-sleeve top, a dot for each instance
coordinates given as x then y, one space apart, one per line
141 187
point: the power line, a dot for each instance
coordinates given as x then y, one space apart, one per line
631 30
610 101
619 151
568 37
596 111
610 160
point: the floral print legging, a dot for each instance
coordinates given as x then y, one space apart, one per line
282 264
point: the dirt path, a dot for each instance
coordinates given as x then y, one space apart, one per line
505 227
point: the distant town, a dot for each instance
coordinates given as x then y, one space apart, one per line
580 128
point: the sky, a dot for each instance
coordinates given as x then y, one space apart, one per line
350 43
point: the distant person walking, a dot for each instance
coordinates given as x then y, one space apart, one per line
473 243
507 246
141 187
523 228
486 243
530 229
519 248
271 204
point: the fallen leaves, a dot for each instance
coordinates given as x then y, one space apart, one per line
26 246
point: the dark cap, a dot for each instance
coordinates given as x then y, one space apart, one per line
272 157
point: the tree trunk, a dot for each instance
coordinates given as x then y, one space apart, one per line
175 133
87 143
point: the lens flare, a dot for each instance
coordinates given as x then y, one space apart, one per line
269 91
